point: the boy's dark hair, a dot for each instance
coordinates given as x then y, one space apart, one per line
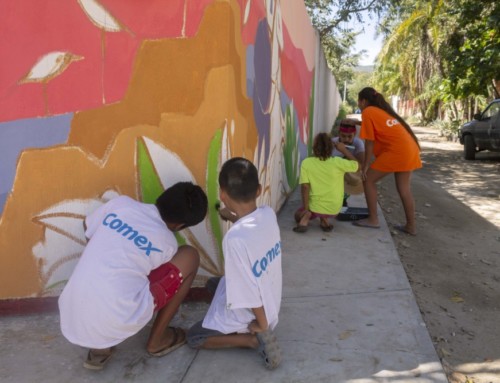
184 203
239 179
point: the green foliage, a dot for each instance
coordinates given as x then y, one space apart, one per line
360 81
475 48
414 120
442 54
343 112
446 128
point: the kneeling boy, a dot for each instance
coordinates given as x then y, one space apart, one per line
247 301
130 269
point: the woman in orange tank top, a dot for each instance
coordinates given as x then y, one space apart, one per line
395 147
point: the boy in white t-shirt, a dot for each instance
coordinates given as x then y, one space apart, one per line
131 269
245 308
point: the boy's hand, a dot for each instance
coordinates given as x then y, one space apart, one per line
226 214
340 146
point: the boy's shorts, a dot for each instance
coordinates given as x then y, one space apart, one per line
164 283
197 335
316 215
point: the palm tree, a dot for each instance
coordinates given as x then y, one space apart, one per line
412 53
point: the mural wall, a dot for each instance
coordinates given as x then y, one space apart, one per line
106 97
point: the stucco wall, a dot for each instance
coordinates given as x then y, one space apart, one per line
107 97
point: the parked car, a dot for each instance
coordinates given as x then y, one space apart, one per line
482 133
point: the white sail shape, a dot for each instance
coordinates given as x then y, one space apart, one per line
64 239
247 11
100 16
171 169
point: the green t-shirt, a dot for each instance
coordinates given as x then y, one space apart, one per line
326 181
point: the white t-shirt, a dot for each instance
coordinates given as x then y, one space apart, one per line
252 258
107 298
359 147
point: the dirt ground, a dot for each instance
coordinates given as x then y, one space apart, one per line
453 262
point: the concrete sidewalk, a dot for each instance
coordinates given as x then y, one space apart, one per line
348 315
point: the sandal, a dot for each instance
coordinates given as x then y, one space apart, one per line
97 359
269 349
178 340
300 229
327 229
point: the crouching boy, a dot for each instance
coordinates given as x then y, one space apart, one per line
245 308
131 269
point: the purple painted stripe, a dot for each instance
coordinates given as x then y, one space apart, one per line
16 136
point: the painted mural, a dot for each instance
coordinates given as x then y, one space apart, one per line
106 97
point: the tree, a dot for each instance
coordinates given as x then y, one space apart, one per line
411 58
330 18
444 54
475 46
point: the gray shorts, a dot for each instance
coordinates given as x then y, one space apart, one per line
197 335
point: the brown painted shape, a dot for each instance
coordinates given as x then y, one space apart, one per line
168 77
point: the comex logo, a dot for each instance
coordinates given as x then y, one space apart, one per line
260 266
125 230
392 122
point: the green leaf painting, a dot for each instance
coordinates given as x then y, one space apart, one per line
213 189
149 181
290 150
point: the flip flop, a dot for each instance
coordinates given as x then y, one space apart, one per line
364 224
327 229
178 341
269 349
403 229
96 360
300 229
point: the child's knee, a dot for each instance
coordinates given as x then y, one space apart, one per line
188 255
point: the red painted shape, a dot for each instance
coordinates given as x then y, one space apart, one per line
296 78
257 13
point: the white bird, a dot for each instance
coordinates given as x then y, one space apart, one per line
49 66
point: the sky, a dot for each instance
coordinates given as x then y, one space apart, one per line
366 40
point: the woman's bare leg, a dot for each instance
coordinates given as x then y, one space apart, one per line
370 186
404 189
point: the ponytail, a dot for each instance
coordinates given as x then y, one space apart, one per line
376 99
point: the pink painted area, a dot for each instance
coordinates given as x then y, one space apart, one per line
31 29
301 32
158 18
296 78
152 19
